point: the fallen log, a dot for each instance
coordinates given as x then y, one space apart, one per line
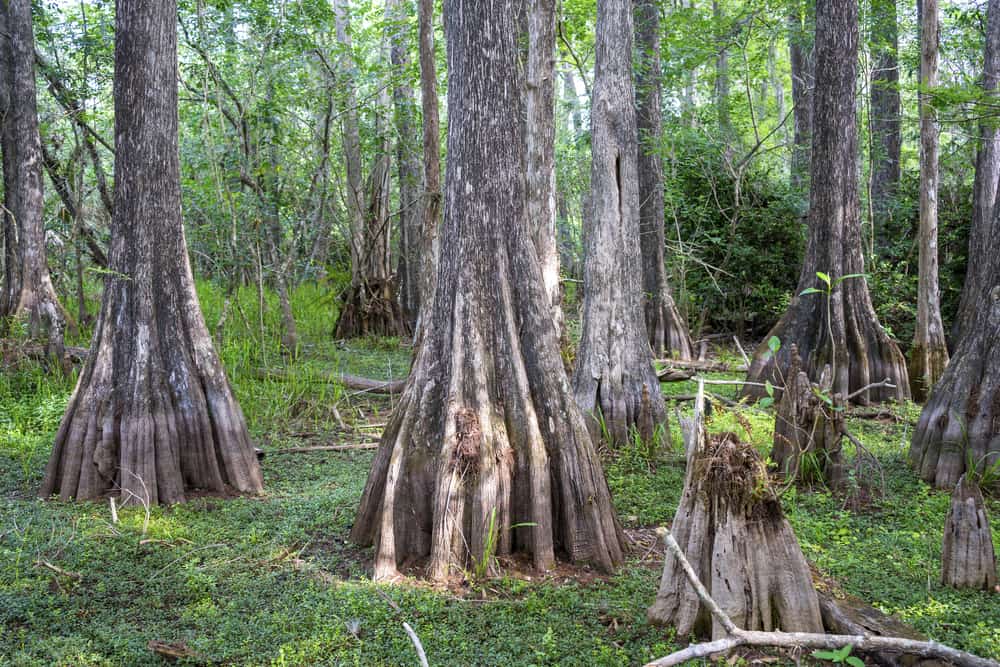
703 366
356 382
324 448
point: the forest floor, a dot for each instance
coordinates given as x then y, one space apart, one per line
274 581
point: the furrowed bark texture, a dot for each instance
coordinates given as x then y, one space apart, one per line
30 293
803 65
540 136
486 433
961 419
929 353
409 167
614 378
885 111
10 287
731 529
432 161
850 340
666 329
152 414
984 225
967 557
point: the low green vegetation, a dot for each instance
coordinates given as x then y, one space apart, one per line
274 581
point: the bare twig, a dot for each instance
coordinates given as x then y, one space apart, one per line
75 576
738 637
884 383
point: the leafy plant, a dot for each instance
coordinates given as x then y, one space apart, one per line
841 656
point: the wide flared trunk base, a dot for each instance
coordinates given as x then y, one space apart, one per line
667 331
371 309
733 532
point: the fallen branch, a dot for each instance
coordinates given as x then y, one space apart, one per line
883 383
350 381
75 576
416 643
808 640
324 448
704 366
670 375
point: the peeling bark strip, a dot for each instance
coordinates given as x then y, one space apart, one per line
486 432
731 528
850 340
152 414
967 558
614 365
28 289
667 331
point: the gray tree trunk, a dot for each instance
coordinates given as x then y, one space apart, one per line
29 289
666 329
369 306
722 76
929 353
486 434
843 332
885 113
984 188
153 414
614 379
408 163
801 20
540 137
432 197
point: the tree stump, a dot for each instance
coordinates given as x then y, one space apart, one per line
732 529
967 557
808 428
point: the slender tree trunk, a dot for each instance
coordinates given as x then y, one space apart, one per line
842 331
432 159
929 354
369 307
408 161
153 415
666 329
31 294
486 435
722 76
885 112
984 188
614 379
10 288
802 58
541 141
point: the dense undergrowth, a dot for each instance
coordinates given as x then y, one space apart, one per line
273 581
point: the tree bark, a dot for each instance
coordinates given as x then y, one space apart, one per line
961 420
929 353
408 165
967 557
540 137
666 329
369 306
614 380
153 414
841 331
801 20
885 114
722 78
30 293
731 528
977 284
486 434
432 159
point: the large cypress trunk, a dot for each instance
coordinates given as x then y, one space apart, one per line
885 113
614 377
842 331
666 329
29 290
486 434
540 136
961 420
929 353
153 414
984 187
